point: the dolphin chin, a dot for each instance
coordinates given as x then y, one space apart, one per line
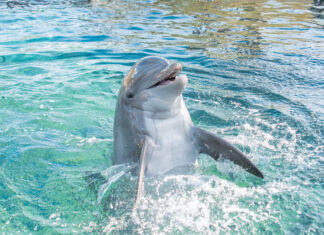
153 126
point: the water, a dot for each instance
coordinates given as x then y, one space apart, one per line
255 72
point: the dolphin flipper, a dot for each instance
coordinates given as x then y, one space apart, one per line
215 147
146 150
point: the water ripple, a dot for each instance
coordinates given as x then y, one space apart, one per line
255 78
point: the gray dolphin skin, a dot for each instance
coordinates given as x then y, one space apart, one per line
153 126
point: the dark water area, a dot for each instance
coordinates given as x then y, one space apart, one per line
255 72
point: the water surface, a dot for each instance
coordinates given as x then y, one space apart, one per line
255 72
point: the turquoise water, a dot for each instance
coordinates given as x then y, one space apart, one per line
255 72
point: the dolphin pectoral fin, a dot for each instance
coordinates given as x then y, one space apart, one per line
146 150
215 147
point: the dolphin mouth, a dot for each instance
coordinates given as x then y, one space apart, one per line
167 80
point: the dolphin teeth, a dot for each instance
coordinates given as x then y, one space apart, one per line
171 77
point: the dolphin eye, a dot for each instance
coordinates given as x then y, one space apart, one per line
130 95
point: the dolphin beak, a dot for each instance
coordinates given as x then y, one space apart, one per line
177 67
168 75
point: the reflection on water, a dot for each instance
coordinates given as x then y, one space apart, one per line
255 72
228 29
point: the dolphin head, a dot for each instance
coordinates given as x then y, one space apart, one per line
153 84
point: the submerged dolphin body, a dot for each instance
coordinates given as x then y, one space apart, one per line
153 126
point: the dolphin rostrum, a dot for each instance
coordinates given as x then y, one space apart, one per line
153 126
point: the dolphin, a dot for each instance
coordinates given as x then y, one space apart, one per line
153 126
